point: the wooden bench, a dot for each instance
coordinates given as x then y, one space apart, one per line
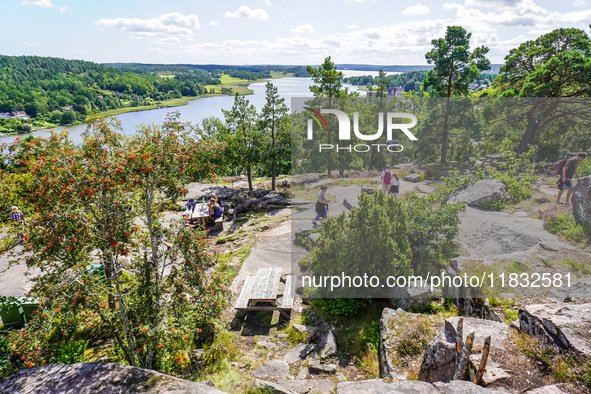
263 288
219 223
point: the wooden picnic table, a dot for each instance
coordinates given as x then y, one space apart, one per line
264 288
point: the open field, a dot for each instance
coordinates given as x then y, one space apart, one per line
161 104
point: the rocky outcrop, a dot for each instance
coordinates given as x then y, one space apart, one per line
239 201
439 360
376 386
480 193
566 326
581 200
91 378
393 325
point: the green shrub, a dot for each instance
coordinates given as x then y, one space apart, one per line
584 168
371 336
72 353
564 224
494 205
339 306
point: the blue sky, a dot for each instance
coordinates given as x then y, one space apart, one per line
272 31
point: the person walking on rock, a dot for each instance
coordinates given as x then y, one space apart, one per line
386 180
566 179
321 205
18 220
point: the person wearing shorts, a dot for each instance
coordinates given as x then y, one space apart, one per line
568 173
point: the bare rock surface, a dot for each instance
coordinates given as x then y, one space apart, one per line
567 326
491 236
270 387
304 386
92 378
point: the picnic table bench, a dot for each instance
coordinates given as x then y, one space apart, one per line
263 288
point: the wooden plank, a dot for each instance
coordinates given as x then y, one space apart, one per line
268 283
287 302
244 297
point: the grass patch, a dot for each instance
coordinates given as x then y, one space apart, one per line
578 268
235 85
564 224
564 365
511 315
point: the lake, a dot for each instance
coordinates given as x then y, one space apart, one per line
195 111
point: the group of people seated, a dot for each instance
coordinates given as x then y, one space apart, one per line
213 208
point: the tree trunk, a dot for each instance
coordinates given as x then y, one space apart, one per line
462 362
531 131
249 175
273 155
483 361
444 134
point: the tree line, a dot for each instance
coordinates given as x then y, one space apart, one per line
459 124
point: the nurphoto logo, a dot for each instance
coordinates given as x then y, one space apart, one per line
392 119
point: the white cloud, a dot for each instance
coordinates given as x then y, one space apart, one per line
307 28
352 27
46 4
266 3
214 23
418 9
167 28
579 3
246 12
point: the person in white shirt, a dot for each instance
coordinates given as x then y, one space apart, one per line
394 184
386 180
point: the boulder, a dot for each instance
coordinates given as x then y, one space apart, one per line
410 297
95 377
327 346
412 178
299 352
272 370
566 326
321 386
392 324
439 360
317 369
479 193
581 200
270 387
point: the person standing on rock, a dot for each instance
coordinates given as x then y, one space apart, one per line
386 180
321 205
566 180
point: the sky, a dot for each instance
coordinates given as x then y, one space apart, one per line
380 32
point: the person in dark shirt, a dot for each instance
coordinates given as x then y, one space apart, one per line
18 220
568 172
